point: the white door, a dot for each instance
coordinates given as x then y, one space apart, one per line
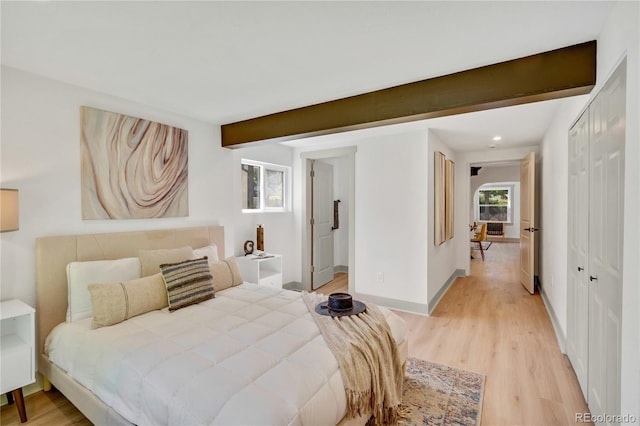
527 221
606 202
321 223
578 254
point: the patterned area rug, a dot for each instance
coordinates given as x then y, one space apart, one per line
439 395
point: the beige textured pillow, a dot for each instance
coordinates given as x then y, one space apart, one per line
116 302
150 260
211 251
225 273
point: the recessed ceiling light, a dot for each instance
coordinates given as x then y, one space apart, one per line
497 138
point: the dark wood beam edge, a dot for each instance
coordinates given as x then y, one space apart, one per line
559 73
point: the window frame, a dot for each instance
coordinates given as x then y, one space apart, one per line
486 187
286 193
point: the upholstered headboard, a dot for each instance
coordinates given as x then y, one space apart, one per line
54 253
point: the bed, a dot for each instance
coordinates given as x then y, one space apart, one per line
282 374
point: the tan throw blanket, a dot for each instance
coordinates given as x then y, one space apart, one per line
368 360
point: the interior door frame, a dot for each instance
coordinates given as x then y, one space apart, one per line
306 241
496 158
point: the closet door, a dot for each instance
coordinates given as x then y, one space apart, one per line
606 171
578 255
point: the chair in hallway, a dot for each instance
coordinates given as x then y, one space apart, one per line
495 229
479 238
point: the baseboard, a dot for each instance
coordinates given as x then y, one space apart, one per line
560 337
398 305
412 307
503 240
436 299
294 285
340 268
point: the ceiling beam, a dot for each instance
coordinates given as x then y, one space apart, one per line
568 71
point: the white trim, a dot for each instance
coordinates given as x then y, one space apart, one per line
562 339
436 299
494 187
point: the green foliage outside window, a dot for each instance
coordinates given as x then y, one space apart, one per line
494 205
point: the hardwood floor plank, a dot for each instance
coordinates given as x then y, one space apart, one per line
45 409
340 283
488 323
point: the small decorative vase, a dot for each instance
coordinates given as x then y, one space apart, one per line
260 238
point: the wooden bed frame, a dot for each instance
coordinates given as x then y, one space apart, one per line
52 256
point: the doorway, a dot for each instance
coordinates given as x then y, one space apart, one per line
494 200
342 258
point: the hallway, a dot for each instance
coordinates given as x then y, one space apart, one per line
488 323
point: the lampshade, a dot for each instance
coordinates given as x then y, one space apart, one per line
8 210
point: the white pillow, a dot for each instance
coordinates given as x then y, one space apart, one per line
81 274
210 251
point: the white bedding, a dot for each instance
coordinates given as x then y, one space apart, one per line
252 355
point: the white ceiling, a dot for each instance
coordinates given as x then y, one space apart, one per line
226 61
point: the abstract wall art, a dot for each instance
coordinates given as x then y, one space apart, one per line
132 168
449 171
443 190
439 198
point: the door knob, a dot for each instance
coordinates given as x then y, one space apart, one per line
580 269
592 278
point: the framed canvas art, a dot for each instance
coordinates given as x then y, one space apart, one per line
439 198
448 198
132 168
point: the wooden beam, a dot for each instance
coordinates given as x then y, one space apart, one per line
568 71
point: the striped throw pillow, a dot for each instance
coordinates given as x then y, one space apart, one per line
187 282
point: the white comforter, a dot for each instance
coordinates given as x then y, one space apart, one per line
252 355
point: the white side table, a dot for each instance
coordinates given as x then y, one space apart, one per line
17 351
265 270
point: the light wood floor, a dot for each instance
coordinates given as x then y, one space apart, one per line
486 323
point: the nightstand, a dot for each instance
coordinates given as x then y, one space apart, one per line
17 350
265 270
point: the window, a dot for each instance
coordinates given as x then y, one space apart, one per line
264 187
494 204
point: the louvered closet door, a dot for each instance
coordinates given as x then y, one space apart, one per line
578 254
606 171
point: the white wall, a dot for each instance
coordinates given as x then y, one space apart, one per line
619 36
396 262
507 175
278 226
441 259
41 157
391 215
